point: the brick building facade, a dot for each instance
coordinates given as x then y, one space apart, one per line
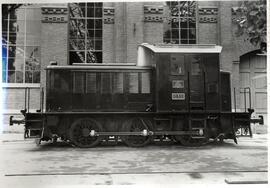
127 24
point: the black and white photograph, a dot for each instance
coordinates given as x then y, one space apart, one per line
141 93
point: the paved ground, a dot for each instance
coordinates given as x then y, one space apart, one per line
23 164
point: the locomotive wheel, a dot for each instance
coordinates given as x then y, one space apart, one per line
136 125
80 133
187 140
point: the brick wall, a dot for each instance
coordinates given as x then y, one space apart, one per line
207 30
54 41
226 41
120 37
134 29
153 31
108 33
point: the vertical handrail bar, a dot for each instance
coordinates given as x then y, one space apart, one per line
234 98
28 96
41 111
249 90
42 99
245 99
25 98
204 85
188 93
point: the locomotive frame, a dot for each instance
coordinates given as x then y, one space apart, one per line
175 92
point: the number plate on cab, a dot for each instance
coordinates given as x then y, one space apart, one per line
178 96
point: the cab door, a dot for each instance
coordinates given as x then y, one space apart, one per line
196 83
172 82
178 82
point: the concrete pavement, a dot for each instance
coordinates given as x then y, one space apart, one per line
23 163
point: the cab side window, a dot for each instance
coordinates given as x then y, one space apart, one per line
91 79
118 82
133 82
59 81
106 83
139 83
145 82
78 82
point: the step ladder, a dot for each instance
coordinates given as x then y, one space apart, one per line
34 132
197 123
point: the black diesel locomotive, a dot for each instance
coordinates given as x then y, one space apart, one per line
174 92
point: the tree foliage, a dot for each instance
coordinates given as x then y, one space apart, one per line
9 8
251 20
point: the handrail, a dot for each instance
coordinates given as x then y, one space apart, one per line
188 91
25 98
245 100
234 97
204 90
27 102
245 91
28 105
41 99
249 93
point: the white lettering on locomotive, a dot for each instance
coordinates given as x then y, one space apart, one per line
178 96
178 84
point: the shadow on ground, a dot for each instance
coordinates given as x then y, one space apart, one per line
45 146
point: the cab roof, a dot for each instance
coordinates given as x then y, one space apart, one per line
183 48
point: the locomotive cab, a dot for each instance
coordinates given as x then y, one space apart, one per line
187 76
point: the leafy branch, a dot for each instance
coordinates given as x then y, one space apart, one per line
250 18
